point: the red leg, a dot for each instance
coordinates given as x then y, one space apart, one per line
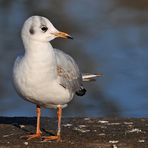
38 131
58 136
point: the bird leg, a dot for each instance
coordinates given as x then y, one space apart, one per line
58 136
38 131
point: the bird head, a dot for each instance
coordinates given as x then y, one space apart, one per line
41 29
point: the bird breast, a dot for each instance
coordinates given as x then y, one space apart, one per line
35 83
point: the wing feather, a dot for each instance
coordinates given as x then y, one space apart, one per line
68 72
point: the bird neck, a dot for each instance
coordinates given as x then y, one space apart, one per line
38 49
40 55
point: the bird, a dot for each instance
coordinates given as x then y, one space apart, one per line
46 76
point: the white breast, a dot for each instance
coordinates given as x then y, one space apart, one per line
34 81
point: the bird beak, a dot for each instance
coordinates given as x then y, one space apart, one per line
62 35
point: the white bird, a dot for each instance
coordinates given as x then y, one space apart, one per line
44 75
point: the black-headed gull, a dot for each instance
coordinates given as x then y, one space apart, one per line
44 75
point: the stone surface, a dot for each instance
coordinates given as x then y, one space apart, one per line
76 132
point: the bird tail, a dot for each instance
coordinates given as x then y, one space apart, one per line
86 77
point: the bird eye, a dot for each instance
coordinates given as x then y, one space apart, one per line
44 28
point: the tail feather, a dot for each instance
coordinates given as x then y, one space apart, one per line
87 77
90 77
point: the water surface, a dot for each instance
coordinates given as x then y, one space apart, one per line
110 37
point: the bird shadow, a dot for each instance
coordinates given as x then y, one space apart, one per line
24 123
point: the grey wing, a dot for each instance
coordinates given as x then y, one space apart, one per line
68 72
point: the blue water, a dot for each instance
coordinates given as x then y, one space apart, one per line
111 37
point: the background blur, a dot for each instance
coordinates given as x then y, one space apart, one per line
111 37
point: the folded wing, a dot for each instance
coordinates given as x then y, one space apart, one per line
68 72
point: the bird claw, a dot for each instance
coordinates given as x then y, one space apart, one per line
33 136
51 138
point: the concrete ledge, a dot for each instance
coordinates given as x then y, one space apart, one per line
76 132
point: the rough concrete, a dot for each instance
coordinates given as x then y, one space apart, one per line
76 132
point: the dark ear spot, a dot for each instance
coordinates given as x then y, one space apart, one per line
31 30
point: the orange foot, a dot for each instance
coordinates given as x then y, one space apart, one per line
33 136
49 138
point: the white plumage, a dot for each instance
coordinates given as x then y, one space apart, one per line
43 75
36 74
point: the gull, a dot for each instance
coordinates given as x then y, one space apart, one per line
46 76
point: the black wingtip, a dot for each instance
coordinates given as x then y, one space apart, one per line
81 92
